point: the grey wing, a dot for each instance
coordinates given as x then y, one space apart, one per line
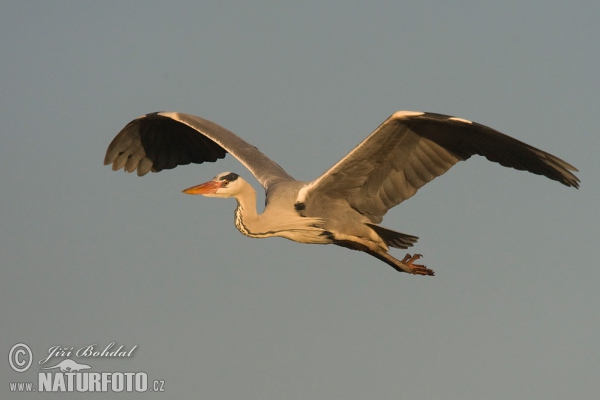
411 148
164 140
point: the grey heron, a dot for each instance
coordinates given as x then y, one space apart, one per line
345 205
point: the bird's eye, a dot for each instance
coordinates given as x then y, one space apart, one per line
225 182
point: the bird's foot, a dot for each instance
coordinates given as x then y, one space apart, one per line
416 269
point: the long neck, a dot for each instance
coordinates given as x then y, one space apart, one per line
280 221
247 219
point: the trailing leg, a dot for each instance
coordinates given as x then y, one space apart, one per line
406 265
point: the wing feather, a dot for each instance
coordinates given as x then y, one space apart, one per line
165 140
412 148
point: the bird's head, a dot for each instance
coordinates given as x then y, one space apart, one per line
225 184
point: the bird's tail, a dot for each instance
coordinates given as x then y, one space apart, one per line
392 238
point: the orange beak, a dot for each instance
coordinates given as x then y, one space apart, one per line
209 187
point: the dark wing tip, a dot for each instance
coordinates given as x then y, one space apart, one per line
156 141
465 138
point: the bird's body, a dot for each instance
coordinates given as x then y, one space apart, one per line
345 205
275 220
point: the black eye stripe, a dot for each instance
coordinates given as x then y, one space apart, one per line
230 177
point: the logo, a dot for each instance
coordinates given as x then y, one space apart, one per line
20 357
70 375
69 366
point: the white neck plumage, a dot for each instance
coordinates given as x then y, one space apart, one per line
246 216
285 223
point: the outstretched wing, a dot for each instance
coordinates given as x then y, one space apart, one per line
411 148
164 140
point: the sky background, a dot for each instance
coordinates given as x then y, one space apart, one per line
91 256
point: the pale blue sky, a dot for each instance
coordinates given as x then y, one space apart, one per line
93 256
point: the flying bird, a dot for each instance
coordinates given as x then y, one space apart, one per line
346 204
